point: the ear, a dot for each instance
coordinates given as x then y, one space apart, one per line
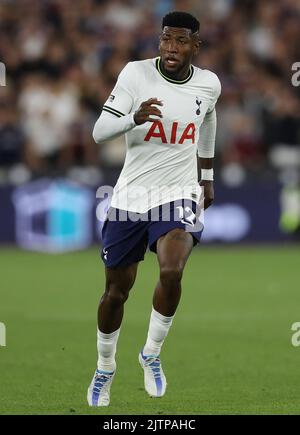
196 50
159 41
158 46
197 44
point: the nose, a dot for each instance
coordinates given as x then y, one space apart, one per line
172 47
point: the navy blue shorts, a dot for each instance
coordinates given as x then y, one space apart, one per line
126 235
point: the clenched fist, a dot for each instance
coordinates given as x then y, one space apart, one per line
146 109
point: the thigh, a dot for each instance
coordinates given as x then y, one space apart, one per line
174 248
180 214
121 278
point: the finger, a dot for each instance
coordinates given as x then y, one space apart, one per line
201 204
147 108
151 111
154 111
207 203
153 101
153 116
151 119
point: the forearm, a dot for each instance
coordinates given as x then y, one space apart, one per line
205 163
109 126
207 180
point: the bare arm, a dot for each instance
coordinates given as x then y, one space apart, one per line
208 185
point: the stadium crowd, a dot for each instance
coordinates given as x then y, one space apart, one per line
62 59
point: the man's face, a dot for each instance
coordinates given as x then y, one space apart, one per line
177 48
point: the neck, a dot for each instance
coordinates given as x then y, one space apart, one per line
180 75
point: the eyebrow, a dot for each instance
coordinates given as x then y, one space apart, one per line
176 36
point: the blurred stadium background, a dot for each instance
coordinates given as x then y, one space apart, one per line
62 58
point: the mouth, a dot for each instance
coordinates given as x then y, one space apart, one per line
171 61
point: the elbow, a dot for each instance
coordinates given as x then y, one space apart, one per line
96 134
96 138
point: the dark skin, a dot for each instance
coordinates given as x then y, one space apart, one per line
177 48
173 250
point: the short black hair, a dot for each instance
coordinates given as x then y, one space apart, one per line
181 19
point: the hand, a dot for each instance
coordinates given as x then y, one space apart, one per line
209 195
146 109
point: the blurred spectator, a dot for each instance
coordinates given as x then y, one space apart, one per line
48 108
12 142
11 136
63 59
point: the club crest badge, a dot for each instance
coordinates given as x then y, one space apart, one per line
198 102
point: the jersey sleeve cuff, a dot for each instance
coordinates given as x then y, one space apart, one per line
113 111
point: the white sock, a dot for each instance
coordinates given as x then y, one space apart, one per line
106 345
158 329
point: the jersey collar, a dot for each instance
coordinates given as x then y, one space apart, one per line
176 82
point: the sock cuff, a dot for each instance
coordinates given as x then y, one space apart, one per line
162 318
104 336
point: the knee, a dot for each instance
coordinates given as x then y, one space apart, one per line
115 296
171 275
117 293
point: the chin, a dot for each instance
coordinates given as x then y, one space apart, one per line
170 68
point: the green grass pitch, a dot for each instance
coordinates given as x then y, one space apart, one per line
229 350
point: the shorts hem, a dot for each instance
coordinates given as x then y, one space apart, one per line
152 246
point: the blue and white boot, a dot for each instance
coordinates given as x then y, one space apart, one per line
99 390
154 377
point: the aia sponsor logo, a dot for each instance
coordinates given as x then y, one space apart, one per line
157 131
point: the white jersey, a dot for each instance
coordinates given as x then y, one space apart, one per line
161 159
